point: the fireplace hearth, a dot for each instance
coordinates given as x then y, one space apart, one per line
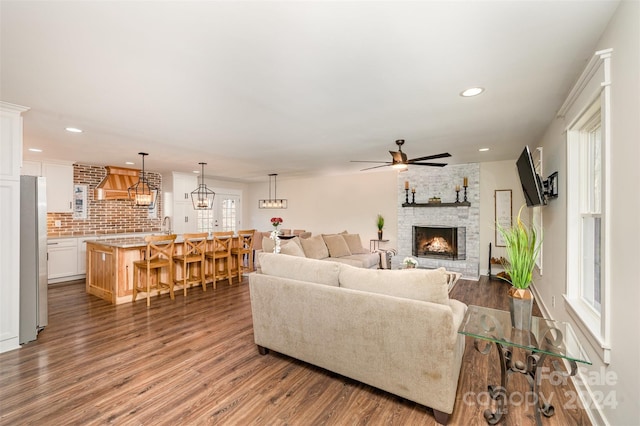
439 242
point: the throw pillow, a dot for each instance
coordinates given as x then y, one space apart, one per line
314 247
291 249
268 244
354 243
336 245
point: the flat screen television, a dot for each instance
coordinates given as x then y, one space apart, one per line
532 185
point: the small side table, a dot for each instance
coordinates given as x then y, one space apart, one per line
546 338
375 244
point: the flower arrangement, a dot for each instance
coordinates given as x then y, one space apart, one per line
276 221
410 262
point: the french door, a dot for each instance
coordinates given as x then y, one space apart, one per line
227 213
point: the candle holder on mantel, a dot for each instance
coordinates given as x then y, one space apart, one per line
457 194
413 196
465 193
406 195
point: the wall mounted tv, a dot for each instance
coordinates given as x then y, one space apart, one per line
532 185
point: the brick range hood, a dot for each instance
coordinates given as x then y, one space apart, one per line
115 186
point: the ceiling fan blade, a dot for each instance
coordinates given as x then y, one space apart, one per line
431 157
375 167
429 164
366 161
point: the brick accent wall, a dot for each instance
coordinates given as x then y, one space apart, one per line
106 216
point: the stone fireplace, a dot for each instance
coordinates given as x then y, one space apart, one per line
439 182
439 242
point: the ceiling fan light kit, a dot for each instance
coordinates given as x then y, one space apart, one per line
399 159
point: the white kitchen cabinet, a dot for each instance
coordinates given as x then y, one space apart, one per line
183 184
10 160
82 253
31 168
59 187
62 254
184 216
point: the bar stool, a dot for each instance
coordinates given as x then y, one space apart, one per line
245 248
192 254
220 253
158 254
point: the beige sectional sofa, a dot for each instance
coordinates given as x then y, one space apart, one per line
342 248
392 329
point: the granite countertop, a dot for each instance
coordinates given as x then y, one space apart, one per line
129 242
120 242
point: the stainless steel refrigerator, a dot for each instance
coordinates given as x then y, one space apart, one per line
33 257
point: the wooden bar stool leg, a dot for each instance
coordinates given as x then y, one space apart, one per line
149 287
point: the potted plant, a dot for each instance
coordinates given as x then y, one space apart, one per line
380 225
523 244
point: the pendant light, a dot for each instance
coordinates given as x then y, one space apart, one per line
202 197
142 193
275 202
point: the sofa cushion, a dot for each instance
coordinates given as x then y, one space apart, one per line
300 268
369 260
336 245
354 243
314 247
429 285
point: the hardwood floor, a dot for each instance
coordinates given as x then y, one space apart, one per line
193 361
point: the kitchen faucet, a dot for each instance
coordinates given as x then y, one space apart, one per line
167 219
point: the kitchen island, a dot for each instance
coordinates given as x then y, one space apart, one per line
110 267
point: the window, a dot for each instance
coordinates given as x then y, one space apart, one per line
588 141
588 155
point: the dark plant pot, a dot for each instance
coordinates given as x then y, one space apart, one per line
520 308
379 234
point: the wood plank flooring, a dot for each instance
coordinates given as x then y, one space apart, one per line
193 361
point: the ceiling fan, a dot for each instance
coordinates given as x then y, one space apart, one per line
399 159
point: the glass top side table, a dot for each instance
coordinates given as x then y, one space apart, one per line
546 338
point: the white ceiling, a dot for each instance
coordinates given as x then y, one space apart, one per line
293 87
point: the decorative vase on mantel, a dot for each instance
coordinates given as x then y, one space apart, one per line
520 308
380 234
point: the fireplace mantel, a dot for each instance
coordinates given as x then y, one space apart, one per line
461 204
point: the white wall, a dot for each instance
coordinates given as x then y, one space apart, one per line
330 204
623 388
496 175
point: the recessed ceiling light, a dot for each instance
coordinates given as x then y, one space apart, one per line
35 150
483 149
129 163
473 91
73 129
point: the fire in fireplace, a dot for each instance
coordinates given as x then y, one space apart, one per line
439 242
